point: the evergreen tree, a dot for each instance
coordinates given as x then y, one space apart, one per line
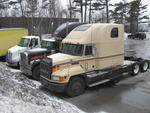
136 15
119 14
101 4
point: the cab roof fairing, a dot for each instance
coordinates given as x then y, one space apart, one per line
94 33
29 37
50 40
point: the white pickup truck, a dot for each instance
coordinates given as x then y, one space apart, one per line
26 43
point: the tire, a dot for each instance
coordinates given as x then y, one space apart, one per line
129 37
18 65
75 87
135 69
36 72
113 82
144 66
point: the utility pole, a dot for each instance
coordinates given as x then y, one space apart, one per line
107 11
90 12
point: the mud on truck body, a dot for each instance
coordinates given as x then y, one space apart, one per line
30 60
92 54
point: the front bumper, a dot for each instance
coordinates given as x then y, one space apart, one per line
25 70
54 87
13 64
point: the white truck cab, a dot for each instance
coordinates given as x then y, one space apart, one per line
26 43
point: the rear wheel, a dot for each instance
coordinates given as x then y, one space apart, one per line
36 72
135 69
144 66
75 87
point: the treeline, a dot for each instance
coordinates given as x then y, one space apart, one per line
31 8
37 15
130 13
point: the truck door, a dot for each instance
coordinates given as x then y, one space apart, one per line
90 63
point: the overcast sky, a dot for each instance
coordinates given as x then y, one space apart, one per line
65 2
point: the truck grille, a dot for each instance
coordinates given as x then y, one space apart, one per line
9 56
23 59
46 67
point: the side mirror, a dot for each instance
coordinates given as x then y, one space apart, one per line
30 45
52 51
49 49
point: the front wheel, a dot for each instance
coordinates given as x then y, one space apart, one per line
135 69
36 73
75 87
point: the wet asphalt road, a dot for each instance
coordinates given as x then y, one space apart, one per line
131 95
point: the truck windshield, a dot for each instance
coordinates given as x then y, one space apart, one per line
61 27
82 28
46 44
72 49
24 42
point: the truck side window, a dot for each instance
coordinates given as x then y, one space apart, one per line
88 50
33 43
36 42
114 33
56 46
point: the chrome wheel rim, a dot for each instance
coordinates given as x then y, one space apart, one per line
136 69
145 66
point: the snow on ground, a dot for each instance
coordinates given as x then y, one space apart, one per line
19 94
138 48
147 34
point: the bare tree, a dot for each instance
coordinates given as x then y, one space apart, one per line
79 3
3 7
32 6
70 8
85 11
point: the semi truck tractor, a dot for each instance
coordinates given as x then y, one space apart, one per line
91 54
26 43
10 37
30 60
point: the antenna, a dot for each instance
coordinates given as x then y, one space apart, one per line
91 31
67 28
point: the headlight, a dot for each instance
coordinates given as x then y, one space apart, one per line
56 78
59 78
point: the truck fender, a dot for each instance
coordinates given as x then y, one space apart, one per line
35 64
81 76
77 71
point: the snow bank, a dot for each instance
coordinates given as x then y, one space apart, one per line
19 94
126 36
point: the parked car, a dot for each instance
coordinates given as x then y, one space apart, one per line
137 35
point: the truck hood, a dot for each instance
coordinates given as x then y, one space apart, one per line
61 58
15 53
17 49
36 52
